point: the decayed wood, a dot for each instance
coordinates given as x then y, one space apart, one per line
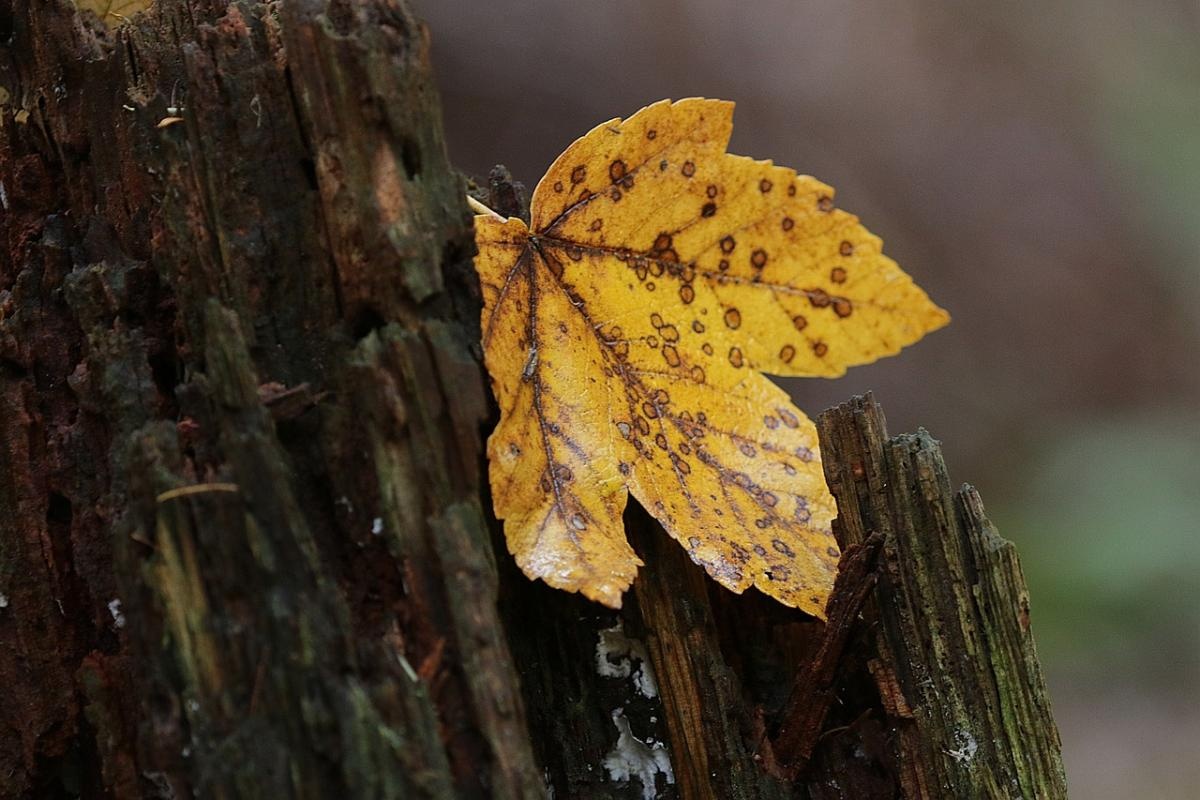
245 540
241 421
816 685
953 656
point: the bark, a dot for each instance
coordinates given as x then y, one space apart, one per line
953 656
246 547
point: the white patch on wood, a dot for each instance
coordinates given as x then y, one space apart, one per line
632 758
620 656
966 749
114 608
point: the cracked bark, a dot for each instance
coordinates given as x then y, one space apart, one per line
245 542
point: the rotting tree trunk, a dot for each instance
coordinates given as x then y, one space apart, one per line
245 546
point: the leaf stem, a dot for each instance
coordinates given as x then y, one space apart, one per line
480 208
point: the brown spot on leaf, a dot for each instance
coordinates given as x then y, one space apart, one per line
727 245
558 186
787 353
842 307
723 265
764 186
597 223
788 223
616 171
711 191
649 410
799 322
819 298
651 134
698 374
733 318
671 355
697 326
846 248
686 293
820 349
758 258
708 209
782 548
837 275
707 348
825 203
735 357
578 174
789 419
771 422
688 169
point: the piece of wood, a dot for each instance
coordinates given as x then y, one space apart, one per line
327 626
246 547
953 655
815 689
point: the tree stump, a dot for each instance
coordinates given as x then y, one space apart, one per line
246 547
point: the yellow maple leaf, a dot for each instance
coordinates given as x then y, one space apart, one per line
625 330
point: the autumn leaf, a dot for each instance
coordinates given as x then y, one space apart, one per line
625 331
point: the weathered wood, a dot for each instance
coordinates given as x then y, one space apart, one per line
246 547
228 337
953 657
816 685
710 724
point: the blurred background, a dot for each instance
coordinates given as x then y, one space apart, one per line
1036 168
